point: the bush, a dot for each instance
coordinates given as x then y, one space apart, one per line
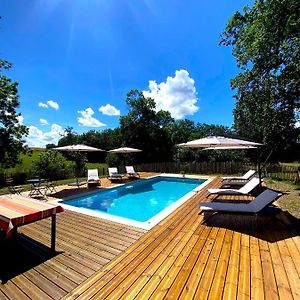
50 165
113 160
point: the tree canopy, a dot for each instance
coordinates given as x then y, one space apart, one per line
145 128
155 132
11 130
266 43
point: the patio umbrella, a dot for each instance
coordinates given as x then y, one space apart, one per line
219 143
77 148
125 150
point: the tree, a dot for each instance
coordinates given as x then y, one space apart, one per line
70 137
50 165
266 43
50 146
145 128
11 131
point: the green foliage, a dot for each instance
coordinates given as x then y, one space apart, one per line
146 129
25 162
266 43
50 165
70 137
11 131
113 160
50 146
80 161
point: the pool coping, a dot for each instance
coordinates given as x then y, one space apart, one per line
147 225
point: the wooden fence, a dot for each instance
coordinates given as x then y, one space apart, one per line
276 171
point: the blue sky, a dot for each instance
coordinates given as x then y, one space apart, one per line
76 60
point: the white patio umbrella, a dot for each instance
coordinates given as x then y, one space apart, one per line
78 148
125 150
221 143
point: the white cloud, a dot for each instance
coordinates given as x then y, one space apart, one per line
44 122
41 104
177 94
109 110
87 118
39 138
20 119
50 103
53 104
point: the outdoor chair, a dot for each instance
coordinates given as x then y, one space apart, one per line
253 207
246 176
93 177
245 190
114 174
50 187
13 189
131 173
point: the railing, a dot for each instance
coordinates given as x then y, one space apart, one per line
276 171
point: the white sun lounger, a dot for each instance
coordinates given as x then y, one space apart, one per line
246 189
114 174
93 177
246 176
131 172
261 201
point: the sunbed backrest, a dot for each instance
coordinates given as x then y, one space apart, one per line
112 171
249 174
264 199
130 169
93 173
249 186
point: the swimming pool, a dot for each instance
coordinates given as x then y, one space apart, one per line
138 202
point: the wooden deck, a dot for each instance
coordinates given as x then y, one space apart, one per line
230 257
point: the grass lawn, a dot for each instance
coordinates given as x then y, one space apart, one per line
28 159
26 162
289 201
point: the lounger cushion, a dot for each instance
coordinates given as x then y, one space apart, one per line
256 205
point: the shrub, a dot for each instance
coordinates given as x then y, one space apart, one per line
113 160
50 165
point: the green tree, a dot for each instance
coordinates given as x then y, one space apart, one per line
11 131
70 137
50 165
266 43
145 128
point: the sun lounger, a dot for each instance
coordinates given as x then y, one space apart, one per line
246 189
246 176
255 206
77 183
131 173
93 177
114 174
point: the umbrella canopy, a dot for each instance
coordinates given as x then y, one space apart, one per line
219 142
125 150
79 148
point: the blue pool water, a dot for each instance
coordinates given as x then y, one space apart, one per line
140 200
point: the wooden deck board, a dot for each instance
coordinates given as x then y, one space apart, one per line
219 261
84 244
229 257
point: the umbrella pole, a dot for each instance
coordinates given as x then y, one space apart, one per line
262 165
